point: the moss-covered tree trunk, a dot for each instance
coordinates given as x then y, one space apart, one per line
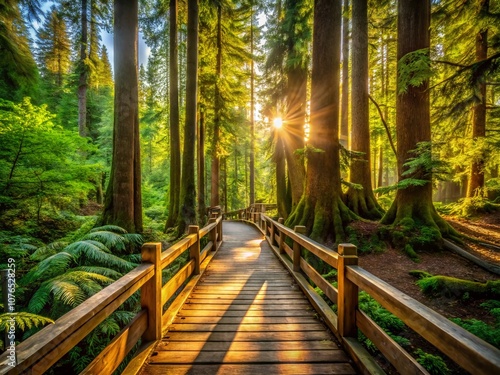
281 182
123 204
361 201
187 213
412 210
344 106
321 208
201 166
476 179
175 142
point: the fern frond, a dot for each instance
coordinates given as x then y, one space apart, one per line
48 268
109 228
110 239
104 271
46 251
123 317
109 327
23 320
93 252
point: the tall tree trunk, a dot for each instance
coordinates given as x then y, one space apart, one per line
414 204
201 166
215 197
293 129
361 201
344 109
123 205
175 142
281 181
252 115
82 81
321 208
476 179
187 214
224 182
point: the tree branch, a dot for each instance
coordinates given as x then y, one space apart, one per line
385 124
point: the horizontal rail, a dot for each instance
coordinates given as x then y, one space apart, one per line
468 351
42 350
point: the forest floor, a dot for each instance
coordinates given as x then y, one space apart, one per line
393 266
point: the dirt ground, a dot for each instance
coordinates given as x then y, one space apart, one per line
393 266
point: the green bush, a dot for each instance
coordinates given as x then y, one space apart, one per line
432 363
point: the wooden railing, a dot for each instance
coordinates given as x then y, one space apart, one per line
42 350
468 351
250 213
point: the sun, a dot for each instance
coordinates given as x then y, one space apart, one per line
278 123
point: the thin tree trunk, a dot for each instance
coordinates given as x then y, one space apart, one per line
201 166
252 115
281 183
214 197
344 111
175 142
82 81
123 205
187 213
476 179
362 202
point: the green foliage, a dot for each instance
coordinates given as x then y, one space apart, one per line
414 69
468 207
432 363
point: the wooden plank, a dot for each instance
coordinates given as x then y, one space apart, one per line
245 327
228 301
470 352
136 363
151 292
399 358
215 346
244 320
327 288
248 336
113 355
169 289
251 369
250 296
173 252
197 306
249 313
55 340
313 356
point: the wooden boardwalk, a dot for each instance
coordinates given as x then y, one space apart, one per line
246 316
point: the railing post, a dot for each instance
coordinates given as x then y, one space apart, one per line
194 250
297 249
271 234
219 231
212 236
347 300
282 237
151 292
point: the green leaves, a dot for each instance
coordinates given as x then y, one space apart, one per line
23 321
414 69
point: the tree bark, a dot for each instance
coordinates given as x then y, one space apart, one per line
413 209
321 208
252 114
344 111
215 195
201 166
281 183
123 205
175 142
82 81
362 202
476 179
187 213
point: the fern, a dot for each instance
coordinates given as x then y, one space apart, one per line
46 251
23 320
432 363
97 252
109 228
48 268
414 69
104 271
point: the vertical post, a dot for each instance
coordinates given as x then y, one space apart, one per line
212 236
151 292
347 300
219 231
271 233
282 237
194 250
297 249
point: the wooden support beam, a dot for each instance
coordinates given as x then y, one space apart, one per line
151 291
297 249
347 300
194 250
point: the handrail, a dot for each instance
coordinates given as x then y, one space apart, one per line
42 350
468 351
